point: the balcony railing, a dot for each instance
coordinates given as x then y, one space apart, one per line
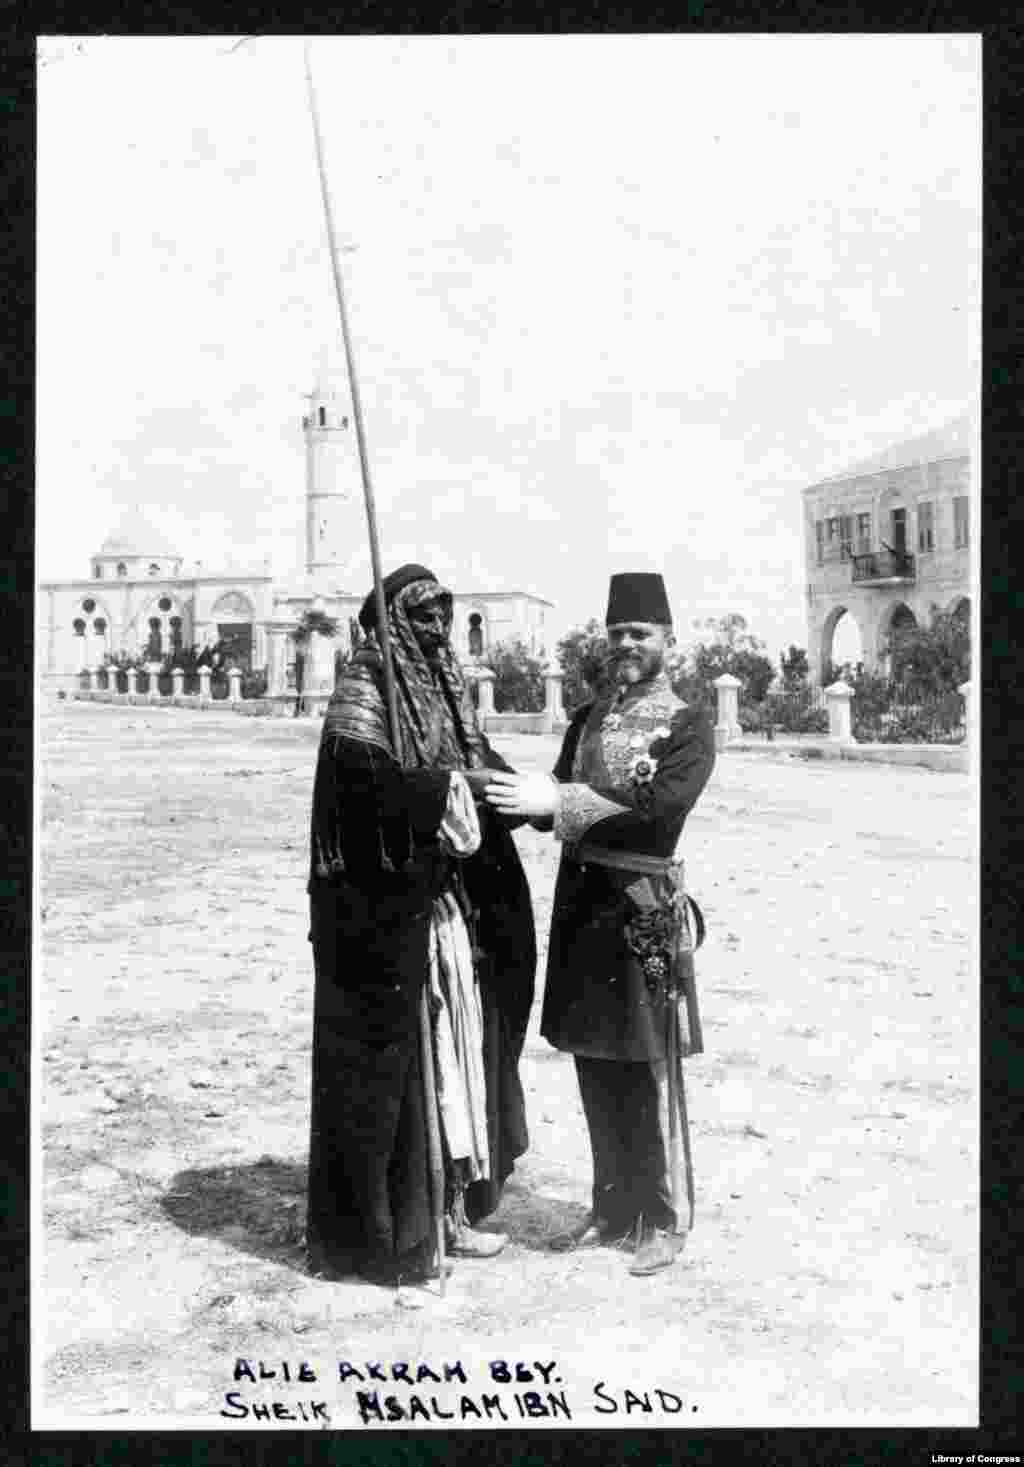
883 565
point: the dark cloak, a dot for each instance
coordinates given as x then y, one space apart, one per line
377 865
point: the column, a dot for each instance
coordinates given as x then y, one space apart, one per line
94 679
554 709
485 682
234 684
178 682
132 677
276 661
153 669
965 692
837 701
204 684
727 689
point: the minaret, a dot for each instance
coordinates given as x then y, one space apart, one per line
332 478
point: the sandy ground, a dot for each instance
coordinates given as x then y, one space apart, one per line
830 1278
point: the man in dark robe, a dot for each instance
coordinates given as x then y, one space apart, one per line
413 881
632 766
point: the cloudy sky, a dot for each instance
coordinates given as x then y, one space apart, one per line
615 300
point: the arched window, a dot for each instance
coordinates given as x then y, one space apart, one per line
79 627
154 569
155 645
99 626
88 605
175 625
122 569
476 635
97 572
323 417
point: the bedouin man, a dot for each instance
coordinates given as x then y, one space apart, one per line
631 768
413 880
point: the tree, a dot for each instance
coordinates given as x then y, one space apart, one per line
729 647
581 655
312 623
518 679
794 668
936 658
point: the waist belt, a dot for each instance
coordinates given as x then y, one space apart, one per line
628 861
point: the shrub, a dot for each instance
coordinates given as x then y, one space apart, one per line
581 655
518 679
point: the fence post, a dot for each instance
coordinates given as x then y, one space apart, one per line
727 689
837 700
485 682
204 684
153 669
554 709
235 684
965 692
177 681
93 674
131 675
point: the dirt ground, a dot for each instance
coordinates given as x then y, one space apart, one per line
830 1278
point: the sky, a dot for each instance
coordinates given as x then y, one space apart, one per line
615 300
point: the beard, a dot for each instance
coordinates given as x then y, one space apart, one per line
635 667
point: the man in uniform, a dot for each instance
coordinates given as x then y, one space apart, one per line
631 768
412 882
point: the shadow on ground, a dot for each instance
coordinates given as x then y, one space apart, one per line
260 1209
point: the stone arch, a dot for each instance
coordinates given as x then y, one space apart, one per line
893 497
826 656
92 644
960 607
475 634
234 615
153 625
232 606
898 617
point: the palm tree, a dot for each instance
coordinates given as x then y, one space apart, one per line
313 622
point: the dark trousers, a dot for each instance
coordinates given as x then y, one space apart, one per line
624 1103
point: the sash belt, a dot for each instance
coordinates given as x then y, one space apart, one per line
628 861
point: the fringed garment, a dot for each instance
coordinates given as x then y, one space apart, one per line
394 907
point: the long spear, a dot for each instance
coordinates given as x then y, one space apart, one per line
434 1152
357 413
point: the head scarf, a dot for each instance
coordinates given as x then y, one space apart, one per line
438 727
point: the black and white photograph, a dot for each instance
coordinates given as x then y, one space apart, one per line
507 732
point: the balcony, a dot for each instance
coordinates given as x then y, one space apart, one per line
884 568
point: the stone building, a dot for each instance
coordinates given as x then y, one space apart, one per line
140 596
887 540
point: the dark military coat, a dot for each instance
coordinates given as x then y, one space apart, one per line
631 769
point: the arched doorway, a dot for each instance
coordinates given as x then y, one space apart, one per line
899 621
233 614
841 644
476 635
960 611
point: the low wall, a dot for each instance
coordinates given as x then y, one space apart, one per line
519 723
282 705
953 758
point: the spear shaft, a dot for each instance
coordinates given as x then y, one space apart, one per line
433 1129
390 694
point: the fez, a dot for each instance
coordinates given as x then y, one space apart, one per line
638 596
395 582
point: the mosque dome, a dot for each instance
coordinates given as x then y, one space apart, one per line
136 538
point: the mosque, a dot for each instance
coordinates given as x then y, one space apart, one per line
141 597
